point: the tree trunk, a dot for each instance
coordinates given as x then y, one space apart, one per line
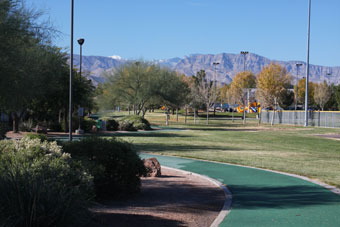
167 117
207 115
273 116
173 111
244 113
177 114
260 117
15 122
195 115
232 115
129 109
186 113
59 116
65 121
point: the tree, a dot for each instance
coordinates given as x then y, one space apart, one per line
204 90
301 87
23 47
272 83
322 94
240 88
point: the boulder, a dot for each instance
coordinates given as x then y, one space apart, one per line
153 167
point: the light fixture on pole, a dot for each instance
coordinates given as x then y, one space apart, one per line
80 109
296 84
244 53
215 64
307 65
71 73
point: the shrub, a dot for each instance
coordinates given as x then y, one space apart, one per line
115 166
126 126
85 124
138 122
26 126
111 125
41 137
55 126
3 129
41 186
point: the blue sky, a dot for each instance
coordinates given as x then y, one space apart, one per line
159 29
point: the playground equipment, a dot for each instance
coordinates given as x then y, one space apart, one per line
254 107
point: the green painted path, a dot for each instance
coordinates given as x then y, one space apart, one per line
262 198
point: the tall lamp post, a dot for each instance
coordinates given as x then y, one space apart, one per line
307 66
71 73
215 64
80 110
244 53
296 84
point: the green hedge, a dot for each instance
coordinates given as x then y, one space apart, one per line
116 167
42 186
4 128
137 122
41 137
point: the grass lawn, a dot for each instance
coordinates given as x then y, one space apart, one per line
289 149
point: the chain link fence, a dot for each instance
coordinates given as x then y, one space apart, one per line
315 118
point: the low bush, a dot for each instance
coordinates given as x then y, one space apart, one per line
111 125
126 126
85 123
42 186
116 167
4 128
41 137
138 122
26 126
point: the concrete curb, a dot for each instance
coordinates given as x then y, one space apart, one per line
228 196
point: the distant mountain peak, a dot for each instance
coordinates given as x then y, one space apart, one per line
116 57
230 65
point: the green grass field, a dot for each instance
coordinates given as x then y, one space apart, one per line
291 149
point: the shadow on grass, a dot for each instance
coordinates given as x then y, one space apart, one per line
158 147
245 197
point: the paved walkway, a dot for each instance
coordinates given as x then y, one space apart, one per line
262 198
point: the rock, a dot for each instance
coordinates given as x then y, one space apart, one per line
153 167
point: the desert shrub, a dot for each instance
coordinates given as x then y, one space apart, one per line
126 126
87 124
41 186
138 122
41 137
4 127
111 125
116 167
26 126
55 126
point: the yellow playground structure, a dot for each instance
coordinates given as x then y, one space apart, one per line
253 107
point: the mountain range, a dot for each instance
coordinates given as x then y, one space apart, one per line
229 65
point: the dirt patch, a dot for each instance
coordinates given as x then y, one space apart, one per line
329 136
175 199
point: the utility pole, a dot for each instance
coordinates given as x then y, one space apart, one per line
71 74
215 64
307 66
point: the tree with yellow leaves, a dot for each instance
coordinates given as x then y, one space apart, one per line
240 87
322 94
272 83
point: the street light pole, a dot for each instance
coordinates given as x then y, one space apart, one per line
244 53
71 73
296 84
80 42
307 66
215 64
